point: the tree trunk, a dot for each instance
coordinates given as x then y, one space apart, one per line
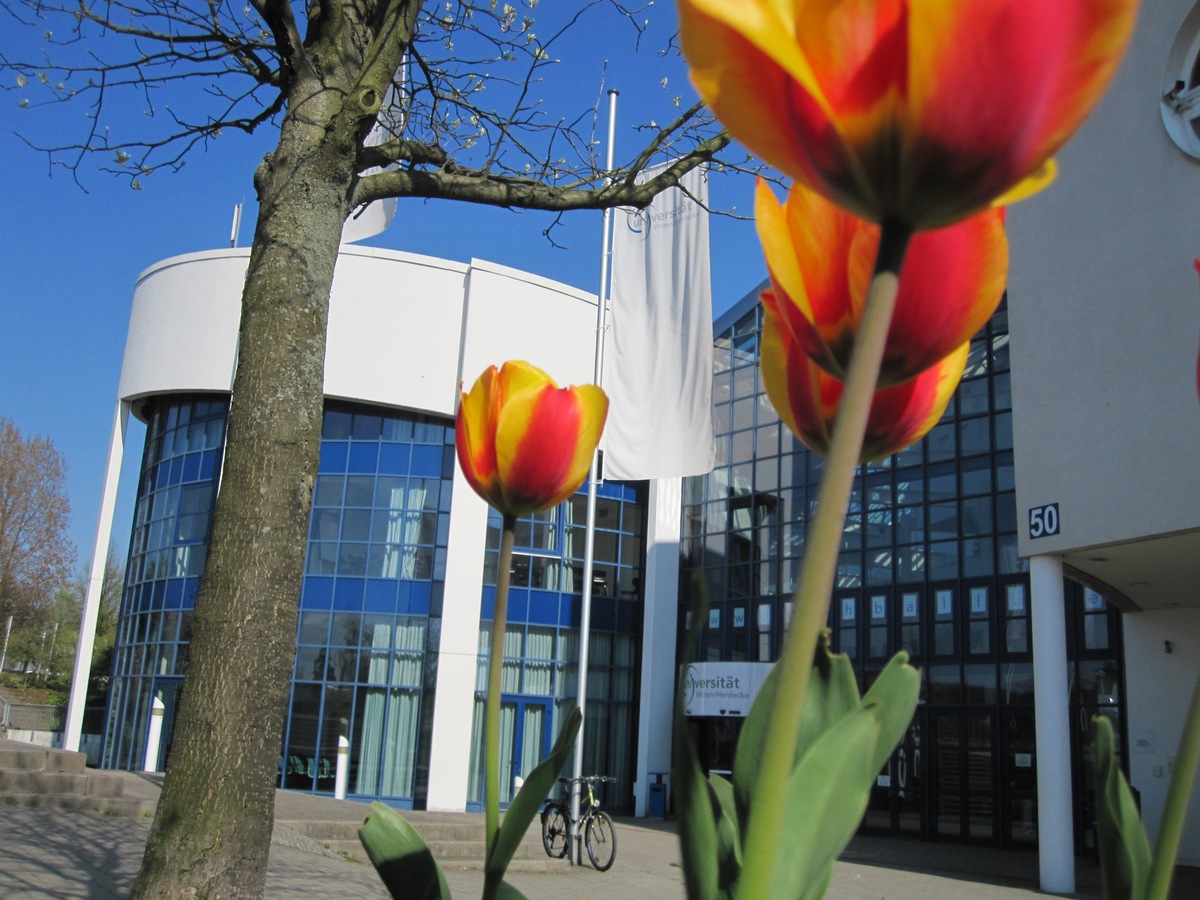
212 831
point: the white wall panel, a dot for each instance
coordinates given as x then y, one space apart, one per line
1105 311
514 315
395 321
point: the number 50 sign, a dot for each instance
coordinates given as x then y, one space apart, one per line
1043 520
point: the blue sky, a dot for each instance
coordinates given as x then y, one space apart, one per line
70 258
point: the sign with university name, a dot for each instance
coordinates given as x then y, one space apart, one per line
722 688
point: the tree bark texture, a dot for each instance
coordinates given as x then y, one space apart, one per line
212 829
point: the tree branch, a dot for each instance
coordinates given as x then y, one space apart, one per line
495 190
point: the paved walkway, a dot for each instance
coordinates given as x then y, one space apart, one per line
50 854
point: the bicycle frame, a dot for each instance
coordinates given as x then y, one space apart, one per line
570 805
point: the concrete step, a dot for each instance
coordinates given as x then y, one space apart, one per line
28 781
59 780
38 781
112 806
37 759
454 844
105 784
455 857
323 831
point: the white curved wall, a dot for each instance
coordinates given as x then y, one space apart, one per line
404 330
183 325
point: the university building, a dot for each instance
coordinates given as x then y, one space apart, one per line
1037 555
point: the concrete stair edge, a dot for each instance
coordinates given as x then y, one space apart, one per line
44 759
112 806
450 857
60 780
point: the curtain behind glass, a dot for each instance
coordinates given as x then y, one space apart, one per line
531 738
391 717
539 661
415 504
389 499
372 712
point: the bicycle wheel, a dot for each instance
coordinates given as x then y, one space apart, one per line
601 840
554 831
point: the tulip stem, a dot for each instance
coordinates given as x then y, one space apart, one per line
491 716
1170 828
763 845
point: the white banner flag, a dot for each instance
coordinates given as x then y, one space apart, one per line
374 218
658 350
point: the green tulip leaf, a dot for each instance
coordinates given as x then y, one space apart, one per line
729 843
818 885
832 694
695 803
1124 849
827 797
505 891
528 802
400 856
895 692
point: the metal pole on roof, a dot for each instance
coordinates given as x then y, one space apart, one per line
593 479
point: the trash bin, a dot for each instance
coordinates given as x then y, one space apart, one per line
656 801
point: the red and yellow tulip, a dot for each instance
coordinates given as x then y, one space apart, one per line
820 259
524 443
914 111
807 397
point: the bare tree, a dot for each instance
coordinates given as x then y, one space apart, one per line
35 554
466 123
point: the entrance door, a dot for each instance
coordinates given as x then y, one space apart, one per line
891 622
963 773
1020 773
524 740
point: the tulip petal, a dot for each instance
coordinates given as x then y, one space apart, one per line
807 398
807 245
535 441
997 87
746 65
902 415
951 283
791 379
821 262
1037 181
473 432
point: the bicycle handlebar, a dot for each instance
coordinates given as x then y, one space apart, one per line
586 779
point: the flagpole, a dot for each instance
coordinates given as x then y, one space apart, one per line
585 616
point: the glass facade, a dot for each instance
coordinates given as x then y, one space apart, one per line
928 564
181 465
541 655
370 606
370 609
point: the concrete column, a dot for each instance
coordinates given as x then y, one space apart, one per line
454 700
341 774
95 587
1056 829
659 623
154 735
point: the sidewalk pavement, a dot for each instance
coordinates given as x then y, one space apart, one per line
46 853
